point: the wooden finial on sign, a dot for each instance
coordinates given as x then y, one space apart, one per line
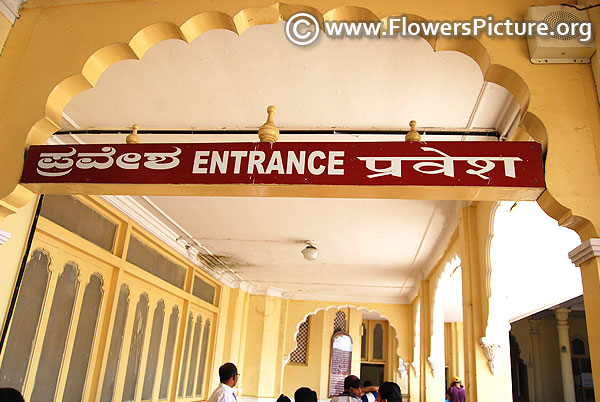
269 132
133 138
413 135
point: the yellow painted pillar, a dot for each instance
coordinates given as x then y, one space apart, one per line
14 233
536 352
354 329
414 370
587 257
327 327
487 358
426 375
455 349
244 308
262 361
590 276
564 345
222 347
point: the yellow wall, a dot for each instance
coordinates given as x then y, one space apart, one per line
550 355
11 253
315 374
258 331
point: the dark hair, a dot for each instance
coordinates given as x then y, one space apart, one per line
227 371
367 383
351 381
283 398
305 394
390 391
10 395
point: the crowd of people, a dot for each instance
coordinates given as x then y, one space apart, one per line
353 392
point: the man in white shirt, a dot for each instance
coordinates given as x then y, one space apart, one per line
352 390
228 375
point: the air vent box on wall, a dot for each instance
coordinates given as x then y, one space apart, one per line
557 48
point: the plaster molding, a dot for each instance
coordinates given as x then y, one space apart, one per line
585 251
433 365
349 297
4 236
416 367
490 350
497 325
10 9
402 367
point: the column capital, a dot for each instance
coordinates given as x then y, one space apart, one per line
534 326
562 315
585 251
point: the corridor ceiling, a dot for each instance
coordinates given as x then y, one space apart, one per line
370 250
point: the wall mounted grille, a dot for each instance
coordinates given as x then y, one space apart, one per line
339 322
299 355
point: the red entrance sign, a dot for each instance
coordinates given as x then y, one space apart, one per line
470 164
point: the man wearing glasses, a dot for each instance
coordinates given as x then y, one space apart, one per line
228 375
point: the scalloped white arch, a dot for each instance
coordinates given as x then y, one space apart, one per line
401 360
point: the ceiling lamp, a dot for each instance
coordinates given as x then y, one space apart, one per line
310 253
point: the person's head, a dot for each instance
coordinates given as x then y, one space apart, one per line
228 374
367 384
10 395
390 392
283 398
455 381
352 385
305 394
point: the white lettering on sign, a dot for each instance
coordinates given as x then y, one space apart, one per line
446 165
311 162
198 161
333 162
317 162
56 160
162 160
98 160
54 164
129 161
238 155
276 162
256 159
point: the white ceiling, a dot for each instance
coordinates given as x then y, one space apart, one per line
222 80
371 250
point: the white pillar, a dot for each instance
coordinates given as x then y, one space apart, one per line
566 368
536 348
